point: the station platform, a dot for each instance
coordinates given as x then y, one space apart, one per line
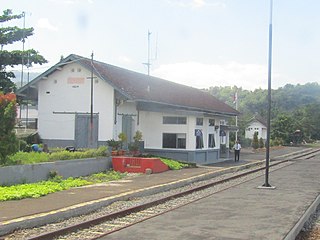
32 212
243 212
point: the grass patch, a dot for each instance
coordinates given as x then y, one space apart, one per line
173 164
36 190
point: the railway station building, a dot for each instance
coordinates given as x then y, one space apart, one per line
84 103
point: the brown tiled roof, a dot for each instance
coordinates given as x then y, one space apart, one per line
147 89
144 88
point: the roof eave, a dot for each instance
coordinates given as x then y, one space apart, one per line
193 109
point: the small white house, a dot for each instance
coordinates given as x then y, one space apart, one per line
84 103
256 124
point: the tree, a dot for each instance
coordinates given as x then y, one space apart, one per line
283 127
8 141
10 35
261 143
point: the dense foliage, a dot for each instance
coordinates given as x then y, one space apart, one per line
293 108
8 141
10 35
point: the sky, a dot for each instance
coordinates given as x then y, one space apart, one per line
199 43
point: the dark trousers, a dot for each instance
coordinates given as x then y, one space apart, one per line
236 155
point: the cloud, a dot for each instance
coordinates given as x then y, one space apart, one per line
197 3
124 59
200 75
71 1
44 23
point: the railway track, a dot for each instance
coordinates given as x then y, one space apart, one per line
111 222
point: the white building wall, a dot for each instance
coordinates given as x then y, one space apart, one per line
152 127
68 90
256 126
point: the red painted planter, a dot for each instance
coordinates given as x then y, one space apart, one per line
138 164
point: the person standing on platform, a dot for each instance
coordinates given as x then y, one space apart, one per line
237 147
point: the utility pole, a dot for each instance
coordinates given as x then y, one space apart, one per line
22 56
91 103
28 93
236 101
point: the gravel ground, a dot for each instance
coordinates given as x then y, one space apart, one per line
311 230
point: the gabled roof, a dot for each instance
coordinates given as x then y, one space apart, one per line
147 89
257 117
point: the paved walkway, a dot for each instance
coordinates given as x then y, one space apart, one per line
77 201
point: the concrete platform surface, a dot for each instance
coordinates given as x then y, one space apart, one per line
243 212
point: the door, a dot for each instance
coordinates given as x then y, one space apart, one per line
127 121
86 136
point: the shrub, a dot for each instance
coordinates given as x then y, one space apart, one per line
276 142
37 157
8 141
261 143
28 158
174 165
255 141
113 144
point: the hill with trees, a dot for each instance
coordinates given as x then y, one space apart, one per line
294 107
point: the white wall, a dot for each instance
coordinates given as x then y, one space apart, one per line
152 129
68 90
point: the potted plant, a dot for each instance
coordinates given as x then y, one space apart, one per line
114 145
134 147
122 138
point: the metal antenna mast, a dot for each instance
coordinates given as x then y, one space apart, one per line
148 64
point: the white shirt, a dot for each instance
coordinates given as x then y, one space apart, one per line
237 146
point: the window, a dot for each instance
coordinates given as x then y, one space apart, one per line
211 122
199 138
211 141
174 140
222 122
199 122
174 120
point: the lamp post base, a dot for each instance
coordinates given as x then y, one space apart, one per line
266 187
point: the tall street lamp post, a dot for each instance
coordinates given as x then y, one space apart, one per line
266 184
